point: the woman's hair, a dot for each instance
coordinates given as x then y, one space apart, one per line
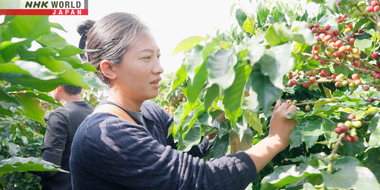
109 39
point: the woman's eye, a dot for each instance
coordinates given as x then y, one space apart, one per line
158 57
147 57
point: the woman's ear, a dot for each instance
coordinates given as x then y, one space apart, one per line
107 69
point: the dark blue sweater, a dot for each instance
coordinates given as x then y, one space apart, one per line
112 153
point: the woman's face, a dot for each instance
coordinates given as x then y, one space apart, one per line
138 74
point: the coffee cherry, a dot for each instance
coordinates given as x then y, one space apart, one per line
358 82
347 138
315 71
355 139
352 40
365 88
340 125
371 100
374 55
369 9
290 76
314 30
327 27
306 85
338 130
351 85
338 84
344 128
312 79
307 108
339 43
376 8
355 76
340 77
322 62
355 63
334 76
293 82
336 32
357 124
348 124
351 116
288 101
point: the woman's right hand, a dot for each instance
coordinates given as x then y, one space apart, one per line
280 126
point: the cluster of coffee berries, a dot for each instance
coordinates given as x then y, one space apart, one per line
351 82
349 128
373 7
342 18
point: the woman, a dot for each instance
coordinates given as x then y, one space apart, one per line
112 153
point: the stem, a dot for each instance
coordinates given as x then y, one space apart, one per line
347 65
338 142
374 85
369 18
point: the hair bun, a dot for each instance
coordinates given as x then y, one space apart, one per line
85 26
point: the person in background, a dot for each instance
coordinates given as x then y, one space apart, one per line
61 126
109 152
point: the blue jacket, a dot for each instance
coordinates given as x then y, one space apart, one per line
112 153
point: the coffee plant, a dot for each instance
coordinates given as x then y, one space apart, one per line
34 60
322 56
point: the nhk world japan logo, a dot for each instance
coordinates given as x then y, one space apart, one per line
40 7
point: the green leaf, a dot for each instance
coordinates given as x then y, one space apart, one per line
328 93
8 100
57 26
296 136
69 76
211 94
353 149
276 62
220 66
187 44
194 60
254 121
68 50
256 48
53 40
346 161
267 93
375 123
249 25
220 148
8 50
234 95
354 177
32 107
278 33
311 131
179 77
190 138
30 27
328 128
302 33
374 139
17 164
195 86
30 74
287 174
363 44
240 17
341 69
242 141
250 103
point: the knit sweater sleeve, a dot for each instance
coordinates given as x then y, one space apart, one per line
125 154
